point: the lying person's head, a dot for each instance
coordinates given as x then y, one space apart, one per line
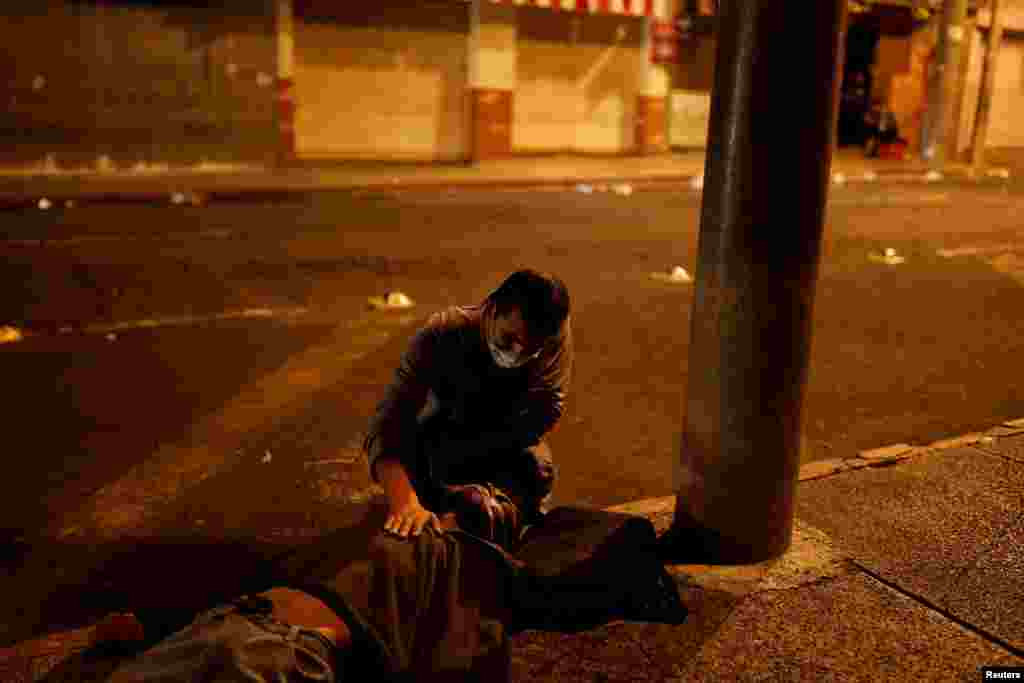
528 311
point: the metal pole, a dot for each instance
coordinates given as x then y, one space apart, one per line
988 83
942 94
960 90
773 117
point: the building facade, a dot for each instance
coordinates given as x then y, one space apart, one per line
127 82
1005 129
890 46
452 80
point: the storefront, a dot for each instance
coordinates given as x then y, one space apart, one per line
579 78
384 80
1004 128
449 80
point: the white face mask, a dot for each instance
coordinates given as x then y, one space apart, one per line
508 359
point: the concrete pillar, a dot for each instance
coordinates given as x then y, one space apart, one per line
652 101
956 142
942 93
987 86
492 79
286 105
773 116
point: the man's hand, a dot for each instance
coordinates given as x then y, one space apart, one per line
411 518
406 514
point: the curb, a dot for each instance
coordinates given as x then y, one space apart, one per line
195 195
895 453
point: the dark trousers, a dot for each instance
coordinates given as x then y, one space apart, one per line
237 642
441 460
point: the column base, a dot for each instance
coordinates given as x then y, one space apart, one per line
490 123
651 123
688 541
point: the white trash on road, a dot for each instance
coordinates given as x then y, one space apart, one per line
10 334
392 301
889 257
622 189
267 457
181 198
45 204
585 189
933 176
839 178
677 275
697 182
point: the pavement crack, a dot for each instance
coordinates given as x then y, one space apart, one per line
941 611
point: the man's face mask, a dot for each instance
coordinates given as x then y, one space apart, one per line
507 341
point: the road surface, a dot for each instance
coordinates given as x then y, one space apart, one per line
214 366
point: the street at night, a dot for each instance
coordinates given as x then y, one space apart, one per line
244 400
512 341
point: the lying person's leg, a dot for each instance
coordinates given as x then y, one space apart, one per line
248 640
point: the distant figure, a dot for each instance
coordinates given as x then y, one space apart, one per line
882 128
854 105
462 426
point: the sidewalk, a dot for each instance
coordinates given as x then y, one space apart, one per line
905 564
20 187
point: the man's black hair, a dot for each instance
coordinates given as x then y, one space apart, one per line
542 299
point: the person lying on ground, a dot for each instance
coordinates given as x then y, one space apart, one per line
357 602
462 426
434 606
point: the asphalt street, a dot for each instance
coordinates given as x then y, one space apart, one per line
220 360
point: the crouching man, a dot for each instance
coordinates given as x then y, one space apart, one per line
461 429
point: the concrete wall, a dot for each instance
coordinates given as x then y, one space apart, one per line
578 78
386 81
137 81
1005 128
689 118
